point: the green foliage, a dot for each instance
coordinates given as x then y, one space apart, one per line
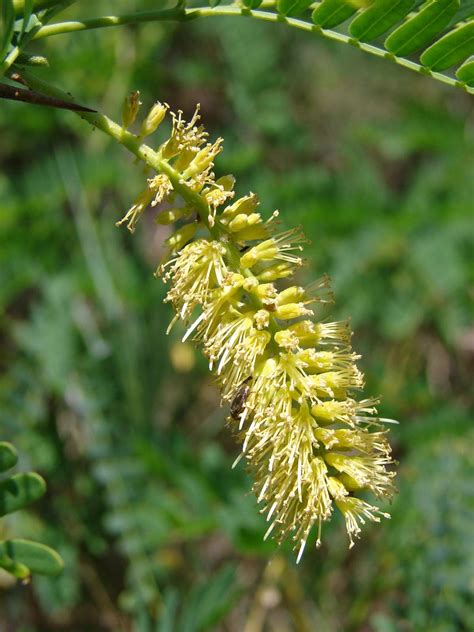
422 27
292 7
379 18
451 49
435 25
21 558
417 31
330 13
206 605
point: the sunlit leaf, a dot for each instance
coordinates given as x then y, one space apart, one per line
420 29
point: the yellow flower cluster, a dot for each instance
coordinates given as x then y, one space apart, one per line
290 379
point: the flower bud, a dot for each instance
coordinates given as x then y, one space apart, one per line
330 411
333 380
276 271
153 119
239 222
203 159
246 204
291 311
286 339
130 109
265 251
292 294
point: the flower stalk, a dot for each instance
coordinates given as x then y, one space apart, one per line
289 377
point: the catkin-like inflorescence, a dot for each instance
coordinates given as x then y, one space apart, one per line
290 377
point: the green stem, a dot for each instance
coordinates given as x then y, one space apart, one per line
9 60
176 13
183 15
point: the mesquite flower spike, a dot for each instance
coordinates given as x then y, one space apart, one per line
290 379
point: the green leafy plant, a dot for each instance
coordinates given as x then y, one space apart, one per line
429 37
19 557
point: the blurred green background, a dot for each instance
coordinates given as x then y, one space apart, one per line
157 532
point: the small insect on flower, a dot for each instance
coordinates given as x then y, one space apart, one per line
238 403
